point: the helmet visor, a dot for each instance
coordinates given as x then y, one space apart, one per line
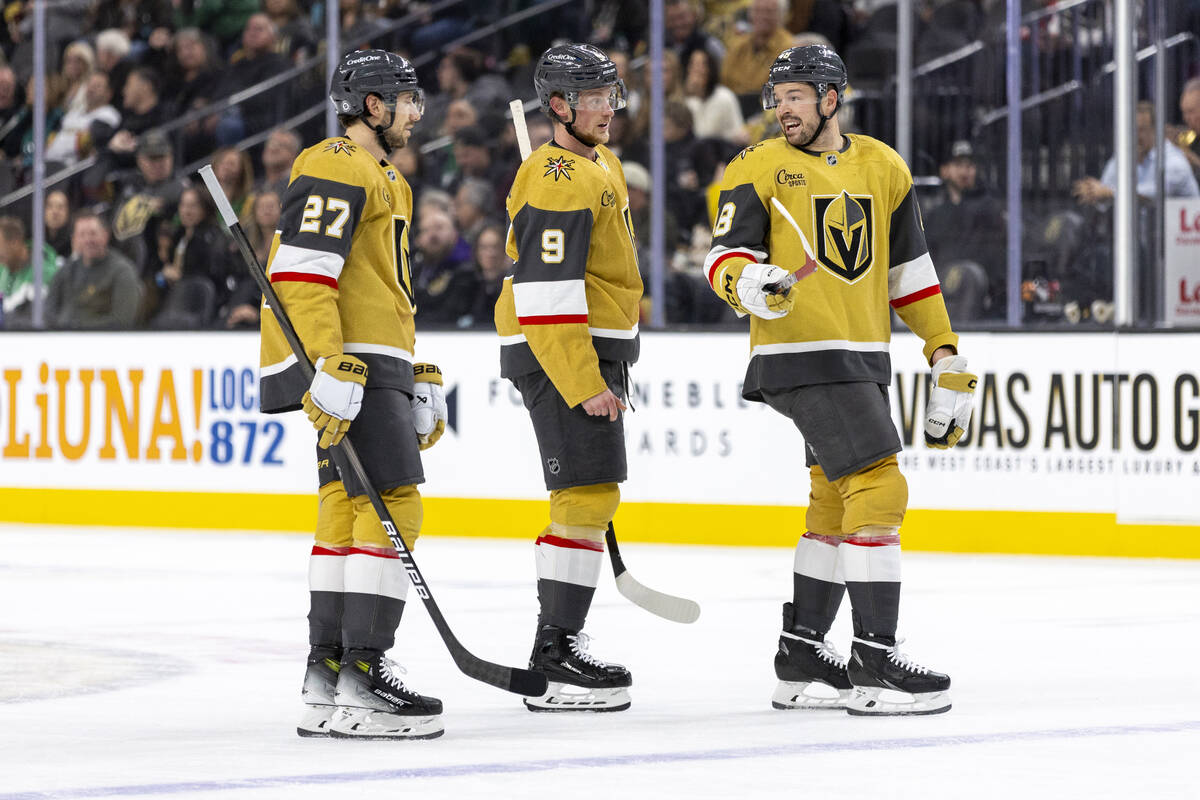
597 101
413 97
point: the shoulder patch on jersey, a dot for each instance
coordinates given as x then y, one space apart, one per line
559 167
340 146
748 150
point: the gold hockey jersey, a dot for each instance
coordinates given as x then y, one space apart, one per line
573 298
859 212
339 263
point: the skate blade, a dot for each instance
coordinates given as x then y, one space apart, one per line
808 695
315 722
876 702
364 723
565 697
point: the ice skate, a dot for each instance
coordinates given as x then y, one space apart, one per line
578 680
812 674
887 683
320 683
373 702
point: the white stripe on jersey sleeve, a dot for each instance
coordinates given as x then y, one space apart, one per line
911 276
290 258
716 252
614 333
550 298
276 368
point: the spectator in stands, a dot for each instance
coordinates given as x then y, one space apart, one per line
829 18
460 115
461 76
193 280
1179 180
97 287
16 133
716 112
262 221
112 57
749 56
17 290
491 265
151 197
672 80
279 153
224 19
683 180
473 158
637 179
241 309
78 62
254 63
195 79
10 97
473 204
235 173
444 277
85 130
57 217
1188 138
296 38
143 110
968 225
681 19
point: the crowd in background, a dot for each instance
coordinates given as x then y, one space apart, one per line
134 102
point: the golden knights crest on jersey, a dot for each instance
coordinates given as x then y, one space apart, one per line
845 234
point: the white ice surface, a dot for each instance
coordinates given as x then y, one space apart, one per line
165 664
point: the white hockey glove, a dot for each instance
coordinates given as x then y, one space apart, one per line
335 396
948 414
755 295
428 404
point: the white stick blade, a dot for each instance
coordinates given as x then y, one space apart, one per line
667 606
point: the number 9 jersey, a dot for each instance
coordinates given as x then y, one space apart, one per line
339 263
574 296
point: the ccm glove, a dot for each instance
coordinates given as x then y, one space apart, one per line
335 396
754 291
949 411
428 404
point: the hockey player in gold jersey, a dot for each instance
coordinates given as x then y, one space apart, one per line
339 264
819 355
567 319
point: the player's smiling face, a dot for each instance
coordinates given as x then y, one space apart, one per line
796 110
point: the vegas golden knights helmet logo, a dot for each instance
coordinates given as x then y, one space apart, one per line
845 234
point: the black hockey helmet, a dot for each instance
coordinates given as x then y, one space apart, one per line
568 69
813 64
366 72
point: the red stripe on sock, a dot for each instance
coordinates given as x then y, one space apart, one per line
329 551
875 541
832 541
575 544
378 552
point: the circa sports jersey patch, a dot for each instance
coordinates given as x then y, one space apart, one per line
608 199
845 234
340 147
559 167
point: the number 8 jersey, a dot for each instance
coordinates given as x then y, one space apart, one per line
339 263
575 293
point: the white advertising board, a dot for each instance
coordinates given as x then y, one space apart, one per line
1080 422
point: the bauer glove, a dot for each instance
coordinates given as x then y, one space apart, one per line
948 413
335 396
428 404
754 290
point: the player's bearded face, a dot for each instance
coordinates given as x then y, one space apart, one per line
405 117
796 111
592 116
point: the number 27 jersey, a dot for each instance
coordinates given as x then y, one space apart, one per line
339 263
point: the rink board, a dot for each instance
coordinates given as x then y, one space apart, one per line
1081 443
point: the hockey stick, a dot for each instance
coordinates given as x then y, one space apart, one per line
517 109
667 606
513 679
810 264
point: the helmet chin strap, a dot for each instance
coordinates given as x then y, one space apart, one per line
384 145
570 126
817 132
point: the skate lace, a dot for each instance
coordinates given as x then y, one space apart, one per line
579 643
829 654
390 671
903 661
